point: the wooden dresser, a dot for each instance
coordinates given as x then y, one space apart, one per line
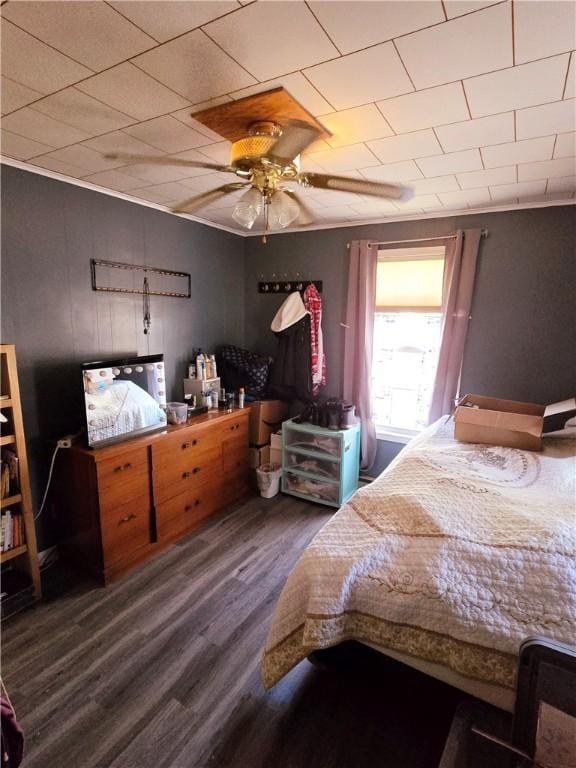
124 502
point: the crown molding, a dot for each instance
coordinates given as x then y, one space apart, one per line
258 233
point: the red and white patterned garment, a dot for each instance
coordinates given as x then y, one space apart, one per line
313 304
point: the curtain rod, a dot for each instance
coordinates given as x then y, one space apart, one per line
484 233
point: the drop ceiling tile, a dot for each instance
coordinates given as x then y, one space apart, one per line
420 203
357 79
524 86
248 37
327 198
374 207
354 125
165 20
505 192
81 111
307 163
518 152
558 117
407 170
570 89
168 134
114 180
460 7
455 162
38 127
19 147
481 132
172 190
475 179
14 95
426 109
51 164
547 169
184 116
197 156
438 184
91 33
337 213
565 145
218 153
129 90
372 23
297 86
407 147
345 158
543 29
195 67
463 47
551 197
563 184
466 198
83 157
151 194
35 65
118 141
155 174
209 181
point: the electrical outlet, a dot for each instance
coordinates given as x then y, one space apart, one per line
64 442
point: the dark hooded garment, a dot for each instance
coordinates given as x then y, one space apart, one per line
291 374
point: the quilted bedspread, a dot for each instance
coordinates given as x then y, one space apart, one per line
455 554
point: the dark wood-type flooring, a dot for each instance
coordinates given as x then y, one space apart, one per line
161 669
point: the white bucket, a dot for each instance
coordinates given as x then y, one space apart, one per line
268 477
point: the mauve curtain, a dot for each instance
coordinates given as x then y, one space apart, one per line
358 339
459 271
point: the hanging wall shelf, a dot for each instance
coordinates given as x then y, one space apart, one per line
117 277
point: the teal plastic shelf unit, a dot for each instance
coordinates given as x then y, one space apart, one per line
320 464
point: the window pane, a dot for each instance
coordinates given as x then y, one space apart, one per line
406 346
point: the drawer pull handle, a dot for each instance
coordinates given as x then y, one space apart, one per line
192 472
189 507
127 518
189 445
122 467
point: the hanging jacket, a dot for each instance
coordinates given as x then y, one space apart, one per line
290 377
313 304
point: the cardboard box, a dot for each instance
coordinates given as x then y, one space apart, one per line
259 456
276 456
266 416
493 421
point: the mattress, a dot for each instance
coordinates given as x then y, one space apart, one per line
453 556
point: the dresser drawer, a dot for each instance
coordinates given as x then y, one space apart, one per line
236 487
237 428
130 485
184 512
122 467
125 529
185 445
197 471
235 457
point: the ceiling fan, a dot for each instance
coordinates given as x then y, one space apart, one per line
267 160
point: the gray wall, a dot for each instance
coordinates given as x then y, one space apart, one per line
521 336
50 231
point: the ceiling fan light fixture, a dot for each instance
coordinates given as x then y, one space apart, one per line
283 210
248 208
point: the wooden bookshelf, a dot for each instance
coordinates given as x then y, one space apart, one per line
25 556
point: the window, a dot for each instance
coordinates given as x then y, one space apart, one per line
407 335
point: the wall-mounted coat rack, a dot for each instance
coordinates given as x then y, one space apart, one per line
116 277
287 286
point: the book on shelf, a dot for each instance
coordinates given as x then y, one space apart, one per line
10 477
11 530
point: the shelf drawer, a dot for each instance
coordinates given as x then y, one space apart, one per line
122 467
185 446
320 468
179 478
237 428
235 457
125 529
323 445
184 512
131 484
315 489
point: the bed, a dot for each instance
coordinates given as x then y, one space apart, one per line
447 562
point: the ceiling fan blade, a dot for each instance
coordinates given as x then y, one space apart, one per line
356 186
295 137
192 204
305 217
164 160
